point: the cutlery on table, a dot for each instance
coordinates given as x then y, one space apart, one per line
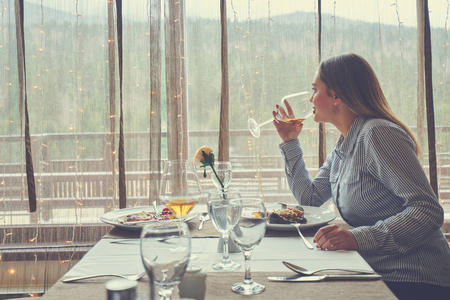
157 214
304 271
126 241
129 277
326 277
308 245
203 218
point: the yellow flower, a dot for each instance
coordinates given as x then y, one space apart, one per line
204 156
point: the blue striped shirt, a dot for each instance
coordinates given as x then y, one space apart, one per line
380 189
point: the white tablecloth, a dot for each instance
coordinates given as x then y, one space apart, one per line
122 256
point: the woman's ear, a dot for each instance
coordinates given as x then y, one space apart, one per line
337 100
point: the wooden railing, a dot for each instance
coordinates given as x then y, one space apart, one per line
91 180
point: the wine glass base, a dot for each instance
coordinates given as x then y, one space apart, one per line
226 266
253 127
248 288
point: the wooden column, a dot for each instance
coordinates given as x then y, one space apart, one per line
224 132
420 76
322 136
155 98
429 99
176 85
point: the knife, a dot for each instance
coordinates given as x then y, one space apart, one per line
327 277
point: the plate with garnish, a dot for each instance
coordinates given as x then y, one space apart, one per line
134 218
280 216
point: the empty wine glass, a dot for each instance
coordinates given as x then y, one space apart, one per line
300 105
249 215
218 201
165 252
180 187
222 169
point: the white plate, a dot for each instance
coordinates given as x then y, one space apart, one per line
113 217
315 216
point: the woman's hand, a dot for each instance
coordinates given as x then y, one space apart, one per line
333 238
287 131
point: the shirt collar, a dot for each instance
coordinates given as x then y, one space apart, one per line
345 145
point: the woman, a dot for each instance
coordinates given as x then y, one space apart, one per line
375 180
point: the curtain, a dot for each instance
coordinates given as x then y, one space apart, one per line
150 80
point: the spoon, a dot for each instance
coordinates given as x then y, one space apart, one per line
203 218
303 271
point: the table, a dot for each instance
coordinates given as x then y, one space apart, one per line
121 254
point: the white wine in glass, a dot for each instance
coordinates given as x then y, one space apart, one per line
249 215
301 107
180 187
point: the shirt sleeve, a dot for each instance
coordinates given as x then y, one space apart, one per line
391 158
305 190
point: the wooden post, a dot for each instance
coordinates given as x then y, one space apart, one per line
322 136
224 132
176 86
429 100
420 75
155 99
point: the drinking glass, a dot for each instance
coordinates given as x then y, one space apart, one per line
223 170
218 201
180 187
249 215
301 107
165 252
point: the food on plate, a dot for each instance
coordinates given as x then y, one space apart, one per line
166 214
287 215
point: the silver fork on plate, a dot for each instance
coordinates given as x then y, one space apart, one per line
129 277
308 244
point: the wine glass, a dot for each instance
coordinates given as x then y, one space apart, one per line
180 187
221 169
165 252
300 105
217 208
249 215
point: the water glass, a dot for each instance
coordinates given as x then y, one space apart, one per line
217 208
249 215
222 170
165 252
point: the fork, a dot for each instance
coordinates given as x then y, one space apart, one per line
157 214
303 271
129 277
308 245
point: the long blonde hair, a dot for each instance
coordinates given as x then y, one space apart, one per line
353 80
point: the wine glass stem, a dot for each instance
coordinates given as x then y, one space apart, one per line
225 238
165 294
248 275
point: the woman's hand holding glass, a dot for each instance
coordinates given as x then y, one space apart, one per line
165 252
299 102
249 215
218 201
287 130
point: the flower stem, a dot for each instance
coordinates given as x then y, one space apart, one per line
217 176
